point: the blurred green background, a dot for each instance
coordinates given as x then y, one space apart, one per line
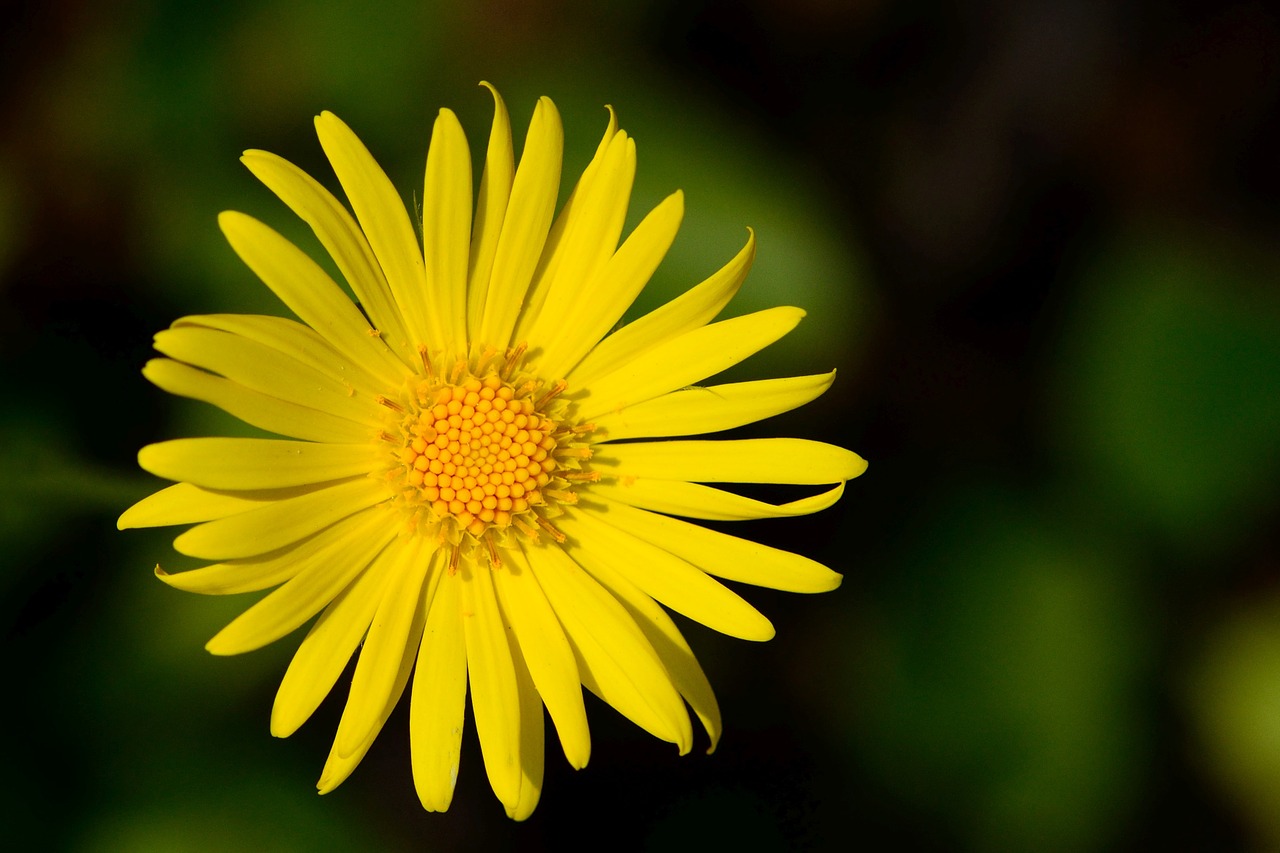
1039 241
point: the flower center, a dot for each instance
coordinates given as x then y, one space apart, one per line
484 450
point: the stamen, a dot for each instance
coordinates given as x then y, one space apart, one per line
551 528
389 403
426 361
513 359
525 528
458 369
574 452
454 556
561 496
495 561
551 394
581 476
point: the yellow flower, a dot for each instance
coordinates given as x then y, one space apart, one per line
468 485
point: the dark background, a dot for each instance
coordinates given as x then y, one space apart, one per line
1038 239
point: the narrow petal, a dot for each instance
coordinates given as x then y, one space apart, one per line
446 233
691 310
592 225
253 407
686 359
547 654
663 576
694 411
437 707
686 673
342 238
725 556
267 371
255 573
280 523
693 500
532 742
406 562
183 503
615 660
257 463
491 209
524 229
751 460
597 307
325 575
323 654
308 291
337 768
298 342
383 219
495 698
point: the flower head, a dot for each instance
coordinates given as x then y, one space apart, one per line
469 490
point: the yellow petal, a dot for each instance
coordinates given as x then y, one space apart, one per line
323 654
183 503
725 556
593 222
693 411
257 463
491 209
406 562
342 238
532 742
686 359
664 576
263 369
446 237
308 291
383 219
297 342
751 460
547 654
495 699
596 308
438 703
255 408
692 309
693 500
615 661
337 768
324 575
280 523
524 229
686 673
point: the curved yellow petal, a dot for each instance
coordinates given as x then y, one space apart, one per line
267 371
615 660
308 291
337 767
686 359
253 407
546 652
406 563
323 654
663 576
666 639
297 342
491 209
725 556
323 576
343 240
751 460
384 220
695 411
183 503
446 233
691 310
438 703
257 463
281 523
593 222
693 500
524 228
596 306
532 742
495 698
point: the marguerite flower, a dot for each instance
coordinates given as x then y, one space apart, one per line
469 490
